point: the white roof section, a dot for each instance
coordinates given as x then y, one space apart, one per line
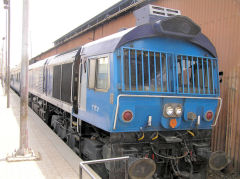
104 45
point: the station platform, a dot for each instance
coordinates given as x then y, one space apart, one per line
57 159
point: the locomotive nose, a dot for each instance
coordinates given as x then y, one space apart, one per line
143 168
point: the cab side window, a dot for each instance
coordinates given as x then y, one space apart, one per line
91 73
98 73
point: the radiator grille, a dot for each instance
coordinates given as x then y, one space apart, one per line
163 72
147 71
196 75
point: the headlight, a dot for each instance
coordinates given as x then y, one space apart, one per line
169 110
172 110
178 111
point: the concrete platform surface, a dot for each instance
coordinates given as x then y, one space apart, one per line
57 159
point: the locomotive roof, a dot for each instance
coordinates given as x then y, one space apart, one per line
104 45
110 43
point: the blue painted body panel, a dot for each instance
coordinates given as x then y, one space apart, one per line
98 110
144 107
100 113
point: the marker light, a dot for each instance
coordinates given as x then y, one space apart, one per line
178 111
209 115
127 116
169 110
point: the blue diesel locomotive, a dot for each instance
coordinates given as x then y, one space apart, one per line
150 92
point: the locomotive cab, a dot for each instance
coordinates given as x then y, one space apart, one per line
160 78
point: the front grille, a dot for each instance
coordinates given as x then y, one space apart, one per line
144 71
196 75
162 72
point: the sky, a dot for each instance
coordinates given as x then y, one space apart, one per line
48 21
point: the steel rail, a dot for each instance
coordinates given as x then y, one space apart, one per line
156 96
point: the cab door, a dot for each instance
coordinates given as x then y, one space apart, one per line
76 81
83 85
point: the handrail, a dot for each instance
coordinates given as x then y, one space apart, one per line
83 163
